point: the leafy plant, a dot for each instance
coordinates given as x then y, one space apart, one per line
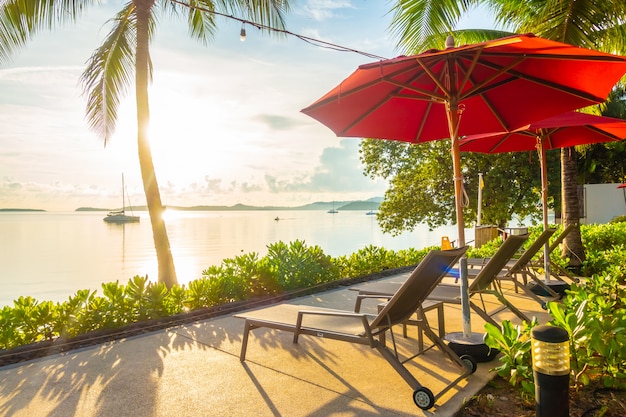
594 314
514 343
370 259
299 266
593 311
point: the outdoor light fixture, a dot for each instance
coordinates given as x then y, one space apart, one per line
550 356
242 34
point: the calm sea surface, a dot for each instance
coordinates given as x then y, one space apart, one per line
51 255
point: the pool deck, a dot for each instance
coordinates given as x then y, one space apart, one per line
194 370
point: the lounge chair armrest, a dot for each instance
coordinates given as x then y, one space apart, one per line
336 313
477 261
385 296
361 297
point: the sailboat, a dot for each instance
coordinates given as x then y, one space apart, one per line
120 216
333 211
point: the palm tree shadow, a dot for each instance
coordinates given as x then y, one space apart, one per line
99 380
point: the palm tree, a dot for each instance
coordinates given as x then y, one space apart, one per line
109 71
423 24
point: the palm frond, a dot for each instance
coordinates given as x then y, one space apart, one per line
20 20
200 19
14 32
418 24
461 37
266 12
109 73
586 23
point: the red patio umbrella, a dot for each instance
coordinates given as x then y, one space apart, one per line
497 85
561 131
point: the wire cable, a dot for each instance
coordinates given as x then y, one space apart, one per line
312 41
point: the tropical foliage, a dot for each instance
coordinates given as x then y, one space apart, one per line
593 312
124 59
297 266
515 363
594 315
249 276
421 190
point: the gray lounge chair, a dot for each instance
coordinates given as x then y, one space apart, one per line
368 329
524 275
520 270
556 270
484 282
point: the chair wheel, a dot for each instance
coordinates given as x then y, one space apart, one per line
470 363
423 398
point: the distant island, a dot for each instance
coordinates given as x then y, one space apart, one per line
18 209
363 205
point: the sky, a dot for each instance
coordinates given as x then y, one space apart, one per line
226 126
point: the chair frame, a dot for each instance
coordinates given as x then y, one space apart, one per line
485 282
372 328
523 266
553 265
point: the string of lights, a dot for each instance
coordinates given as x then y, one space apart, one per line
315 42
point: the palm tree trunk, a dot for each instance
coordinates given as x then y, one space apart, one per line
167 273
572 245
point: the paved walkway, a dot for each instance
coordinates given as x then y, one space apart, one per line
194 370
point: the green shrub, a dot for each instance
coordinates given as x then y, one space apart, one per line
299 266
603 236
487 250
514 344
594 315
296 265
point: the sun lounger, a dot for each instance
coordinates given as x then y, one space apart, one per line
556 270
524 275
483 283
369 330
521 271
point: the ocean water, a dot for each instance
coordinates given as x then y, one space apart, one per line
51 255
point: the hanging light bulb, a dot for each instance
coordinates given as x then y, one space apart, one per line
242 34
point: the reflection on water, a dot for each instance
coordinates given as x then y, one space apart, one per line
52 255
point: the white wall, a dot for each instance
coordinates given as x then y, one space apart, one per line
603 202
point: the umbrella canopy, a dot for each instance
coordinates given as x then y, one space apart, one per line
493 86
561 131
501 85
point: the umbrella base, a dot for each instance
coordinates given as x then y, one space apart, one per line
473 346
557 286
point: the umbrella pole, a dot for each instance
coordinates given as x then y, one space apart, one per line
480 200
544 205
453 123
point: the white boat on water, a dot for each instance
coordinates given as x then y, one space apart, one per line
120 216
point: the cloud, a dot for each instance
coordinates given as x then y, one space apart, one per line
339 171
278 122
325 9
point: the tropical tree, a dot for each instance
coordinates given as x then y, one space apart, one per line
421 190
126 50
424 24
604 162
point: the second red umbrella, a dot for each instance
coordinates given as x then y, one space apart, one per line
562 131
